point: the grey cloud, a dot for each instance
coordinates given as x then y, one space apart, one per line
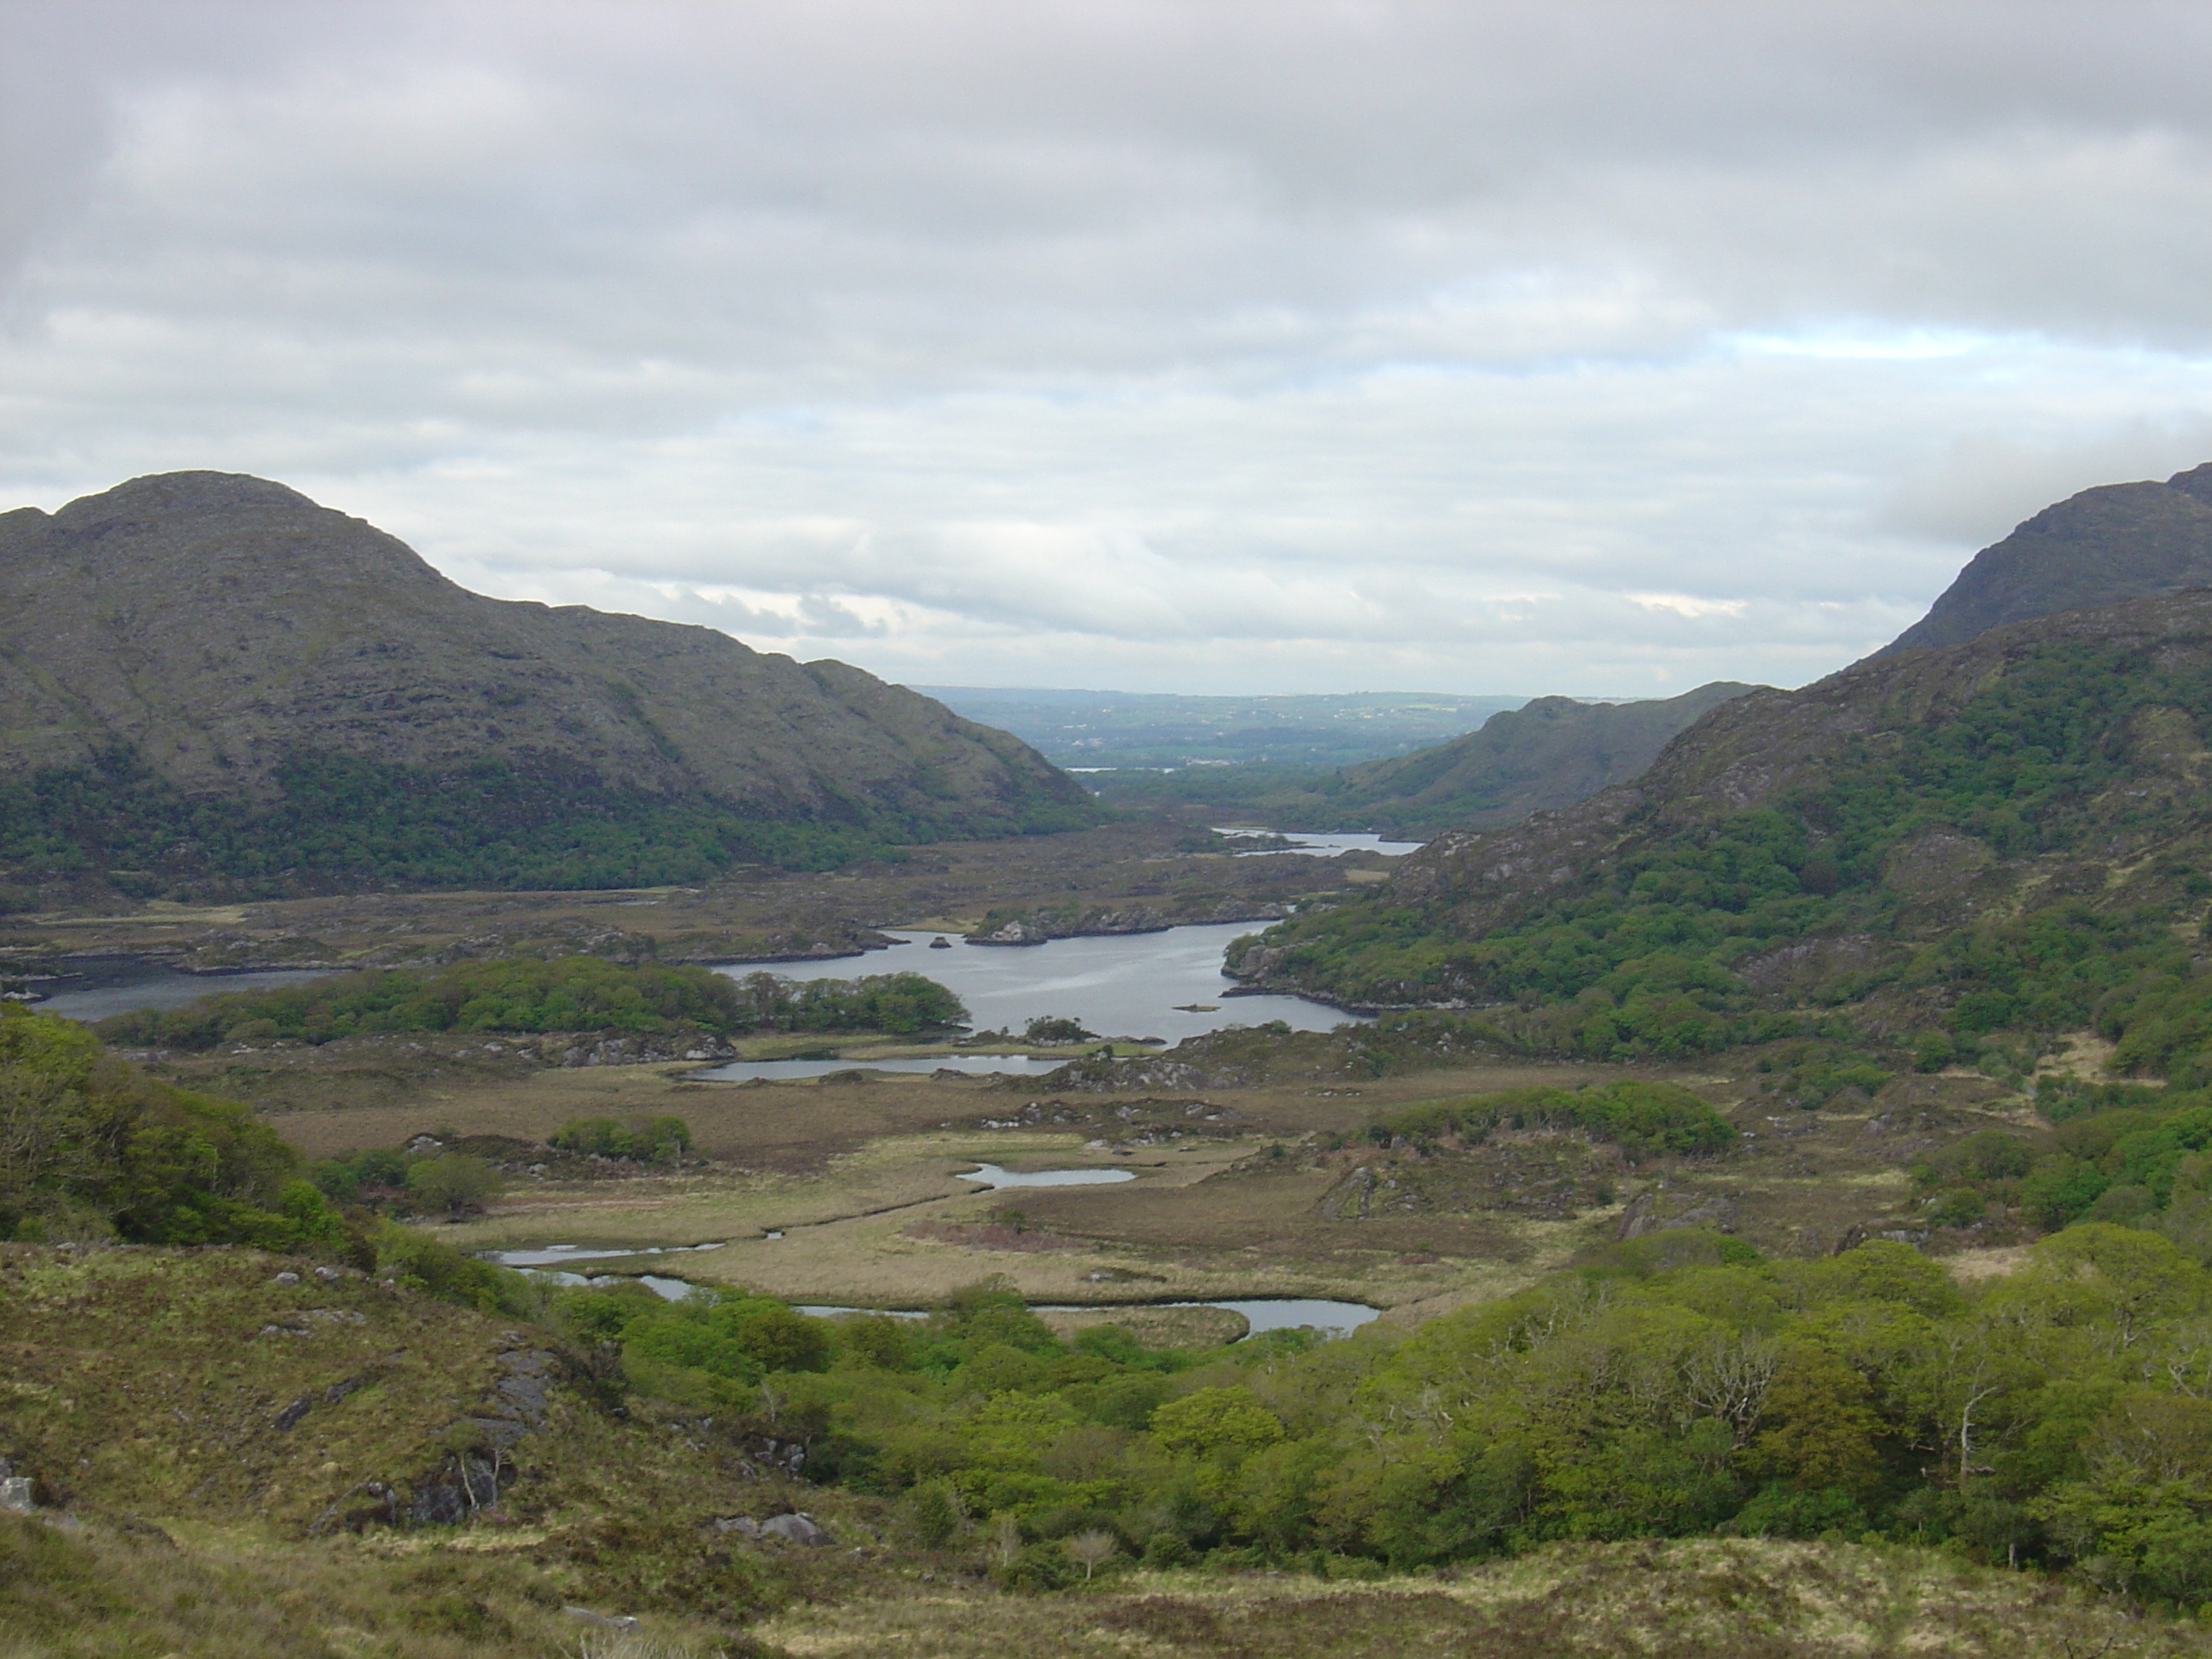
1326 343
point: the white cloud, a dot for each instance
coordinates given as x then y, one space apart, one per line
1175 343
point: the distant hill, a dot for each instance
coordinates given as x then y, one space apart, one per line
2127 541
1141 729
202 673
1550 754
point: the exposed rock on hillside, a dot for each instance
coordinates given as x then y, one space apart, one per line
2114 542
218 627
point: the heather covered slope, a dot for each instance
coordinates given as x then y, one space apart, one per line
2114 542
2009 832
207 638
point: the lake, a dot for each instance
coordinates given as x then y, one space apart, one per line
1119 985
95 987
1269 1313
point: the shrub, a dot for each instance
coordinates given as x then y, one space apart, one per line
453 1183
643 1140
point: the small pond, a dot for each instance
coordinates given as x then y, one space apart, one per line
991 1175
553 1255
544 1263
1264 1313
740 1071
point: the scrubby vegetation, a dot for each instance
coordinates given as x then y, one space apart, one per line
90 1148
1678 1385
1644 1120
644 1140
527 994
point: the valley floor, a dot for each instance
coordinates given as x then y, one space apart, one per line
1270 1188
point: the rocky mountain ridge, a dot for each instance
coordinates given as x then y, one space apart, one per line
214 622
2102 546
206 672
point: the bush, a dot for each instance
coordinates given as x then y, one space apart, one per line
92 1149
641 1140
416 1259
1646 1119
453 1183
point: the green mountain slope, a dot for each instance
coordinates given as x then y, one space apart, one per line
2010 833
207 672
2113 543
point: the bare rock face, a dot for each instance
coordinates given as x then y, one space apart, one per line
216 623
2114 542
796 1529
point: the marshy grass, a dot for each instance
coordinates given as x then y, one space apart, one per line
1737 1599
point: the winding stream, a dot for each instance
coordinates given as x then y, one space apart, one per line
1260 1313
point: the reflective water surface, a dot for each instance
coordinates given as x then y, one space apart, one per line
1124 984
96 987
991 1175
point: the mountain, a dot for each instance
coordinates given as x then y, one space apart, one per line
1550 753
2010 833
217 651
2116 542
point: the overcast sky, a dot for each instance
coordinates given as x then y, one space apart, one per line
1264 346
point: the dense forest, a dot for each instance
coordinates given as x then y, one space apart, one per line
529 994
345 823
